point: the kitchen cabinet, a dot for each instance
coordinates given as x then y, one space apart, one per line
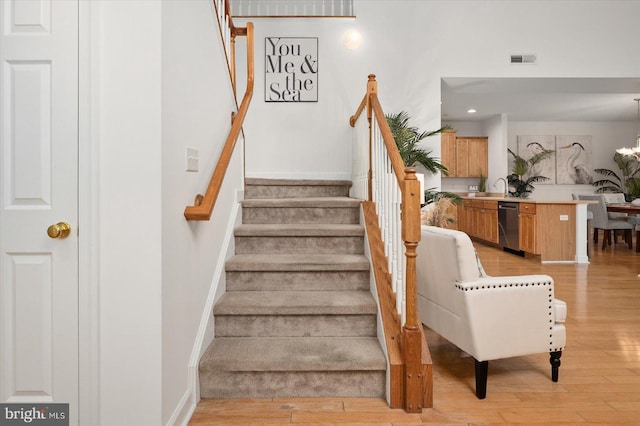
528 228
448 151
465 156
480 219
546 228
472 156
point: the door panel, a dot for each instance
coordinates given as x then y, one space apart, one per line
39 187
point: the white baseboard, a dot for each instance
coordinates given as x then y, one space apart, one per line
184 410
206 333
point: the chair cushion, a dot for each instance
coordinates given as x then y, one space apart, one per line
618 224
559 310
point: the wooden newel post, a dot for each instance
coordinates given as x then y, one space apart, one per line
411 336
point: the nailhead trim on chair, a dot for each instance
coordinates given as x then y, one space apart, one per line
551 349
459 287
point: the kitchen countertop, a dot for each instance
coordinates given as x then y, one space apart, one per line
527 200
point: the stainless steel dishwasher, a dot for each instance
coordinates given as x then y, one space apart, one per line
509 225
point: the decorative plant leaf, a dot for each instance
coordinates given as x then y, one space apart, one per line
629 170
407 138
432 195
518 186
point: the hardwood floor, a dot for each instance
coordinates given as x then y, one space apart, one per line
599 377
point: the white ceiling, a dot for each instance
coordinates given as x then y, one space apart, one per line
541 99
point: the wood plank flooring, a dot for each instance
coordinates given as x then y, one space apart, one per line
599 377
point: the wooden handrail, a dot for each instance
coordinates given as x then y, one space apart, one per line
203 206
354 117
416 381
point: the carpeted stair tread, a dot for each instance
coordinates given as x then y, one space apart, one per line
295 303
312 202
296 182
298 262
294 354
299 230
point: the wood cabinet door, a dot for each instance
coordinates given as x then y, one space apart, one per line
491 226
478 157
465 219
448 152
528 233
462 157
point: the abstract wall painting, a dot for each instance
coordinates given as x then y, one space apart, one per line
574 159
529 145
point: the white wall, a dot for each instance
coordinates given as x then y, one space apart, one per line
410 45
162 85
197 101
304 140
496 130
128 135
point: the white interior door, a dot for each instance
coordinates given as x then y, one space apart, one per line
39 188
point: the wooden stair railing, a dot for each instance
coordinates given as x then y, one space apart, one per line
203 204
411 368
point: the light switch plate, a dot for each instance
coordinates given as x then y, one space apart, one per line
192 159
564 217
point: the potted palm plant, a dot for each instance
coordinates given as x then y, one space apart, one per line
482 186
519 185
407 139
625 183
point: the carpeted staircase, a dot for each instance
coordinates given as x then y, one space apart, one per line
298 318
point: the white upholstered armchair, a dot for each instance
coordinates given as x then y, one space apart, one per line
487 317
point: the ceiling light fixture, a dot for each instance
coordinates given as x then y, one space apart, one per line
471 111
635 151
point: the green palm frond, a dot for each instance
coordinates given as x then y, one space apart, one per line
518 185
432 195
407 138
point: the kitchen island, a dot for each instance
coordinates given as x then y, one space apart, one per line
556 231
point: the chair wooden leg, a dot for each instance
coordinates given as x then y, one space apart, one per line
482 371
555 364
627 236
595 235
637 241
605 238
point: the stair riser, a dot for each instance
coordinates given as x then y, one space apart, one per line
285 384
297 215
299 245
294 191
295 325
292 280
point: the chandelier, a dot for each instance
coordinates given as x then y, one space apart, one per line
635 151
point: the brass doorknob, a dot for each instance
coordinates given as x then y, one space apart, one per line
59 230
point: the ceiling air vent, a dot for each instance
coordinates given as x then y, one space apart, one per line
523 59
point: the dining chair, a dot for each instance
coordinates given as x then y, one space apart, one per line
617 198
601 221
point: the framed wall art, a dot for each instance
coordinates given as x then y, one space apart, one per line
291 69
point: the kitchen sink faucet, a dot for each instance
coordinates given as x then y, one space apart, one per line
505 185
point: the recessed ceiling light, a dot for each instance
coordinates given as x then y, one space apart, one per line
471 111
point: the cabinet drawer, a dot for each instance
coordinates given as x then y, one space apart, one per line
490 205
477 204
468 203
527 208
